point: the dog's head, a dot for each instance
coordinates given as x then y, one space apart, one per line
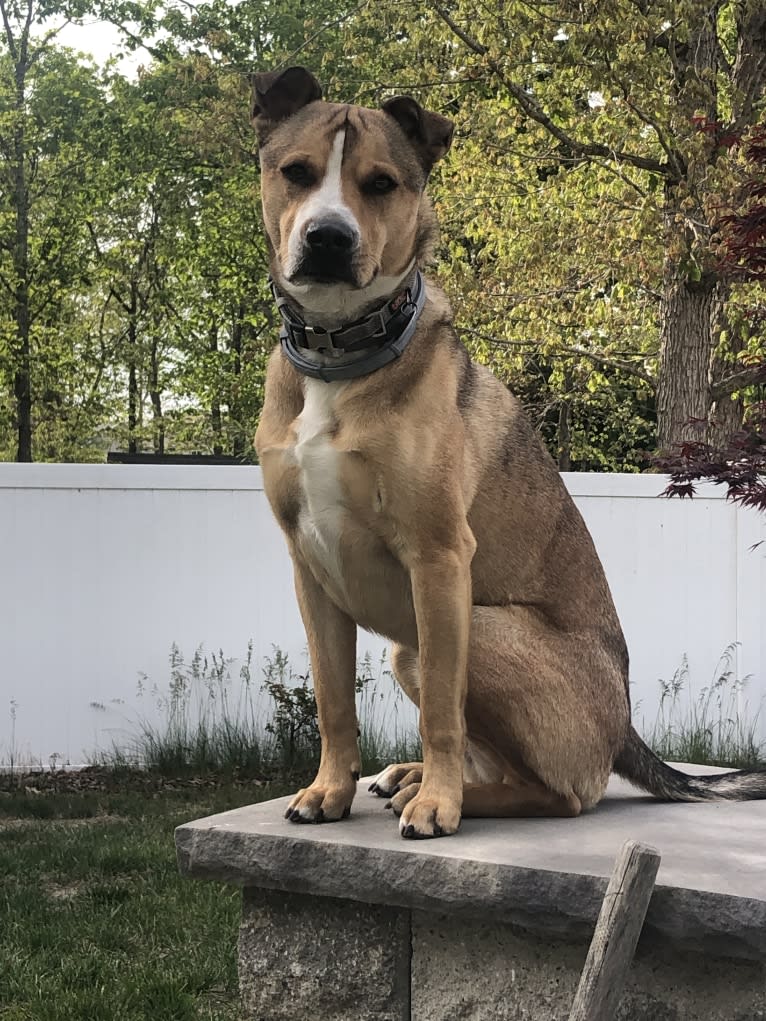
343 186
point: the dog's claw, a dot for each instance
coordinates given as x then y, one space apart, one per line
388 804
373 787
408 831
346 812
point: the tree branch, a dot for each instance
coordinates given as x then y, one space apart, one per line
737 380
12 48
532 109
39 50
120 301
749 71
607 360
7 286
673 157
323 28
615 363
24 43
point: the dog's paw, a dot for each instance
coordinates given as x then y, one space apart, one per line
425 816
396 777
321 803
403 797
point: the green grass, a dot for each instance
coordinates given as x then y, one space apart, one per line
95 922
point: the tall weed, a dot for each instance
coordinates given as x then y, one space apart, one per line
211 718
715 727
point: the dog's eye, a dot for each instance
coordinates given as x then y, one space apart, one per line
381 184
298 173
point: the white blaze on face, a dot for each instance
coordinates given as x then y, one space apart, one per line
326 200
321 519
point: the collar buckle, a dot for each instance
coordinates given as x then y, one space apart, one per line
315 338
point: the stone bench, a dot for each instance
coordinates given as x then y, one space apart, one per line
348 922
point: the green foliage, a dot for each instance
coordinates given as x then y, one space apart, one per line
591 155
293 726
589 167
60 126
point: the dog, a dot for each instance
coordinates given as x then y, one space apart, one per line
419 503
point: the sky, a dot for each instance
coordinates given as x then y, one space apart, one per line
101 40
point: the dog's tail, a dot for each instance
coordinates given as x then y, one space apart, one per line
640 766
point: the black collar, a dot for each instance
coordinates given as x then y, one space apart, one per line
384 334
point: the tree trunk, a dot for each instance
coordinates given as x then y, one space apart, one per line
689 313
22 377
236 429
158 421
564 428
133 394
693 303
215 406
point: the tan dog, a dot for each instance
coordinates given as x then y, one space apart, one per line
418 502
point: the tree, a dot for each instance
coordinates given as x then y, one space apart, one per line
183 258
741 464
131 249
595 141
595 148
223 325
49 105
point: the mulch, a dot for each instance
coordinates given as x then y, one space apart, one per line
101 779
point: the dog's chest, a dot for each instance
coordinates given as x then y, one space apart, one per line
320 521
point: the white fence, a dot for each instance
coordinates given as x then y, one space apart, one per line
104 567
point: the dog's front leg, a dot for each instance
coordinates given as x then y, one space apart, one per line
331 638
441 588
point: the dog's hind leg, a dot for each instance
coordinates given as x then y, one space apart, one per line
548 707
515 797
522 799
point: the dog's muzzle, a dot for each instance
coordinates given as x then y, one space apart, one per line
328 252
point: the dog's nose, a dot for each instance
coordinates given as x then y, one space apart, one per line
332 238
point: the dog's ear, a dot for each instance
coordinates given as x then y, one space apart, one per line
430 133
277 95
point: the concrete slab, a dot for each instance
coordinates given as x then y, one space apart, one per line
544 875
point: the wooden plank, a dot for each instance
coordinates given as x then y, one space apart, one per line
617 930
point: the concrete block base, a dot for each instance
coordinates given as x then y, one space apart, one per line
313 958
474 972
347 922
304 957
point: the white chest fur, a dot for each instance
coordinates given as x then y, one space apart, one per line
320 522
